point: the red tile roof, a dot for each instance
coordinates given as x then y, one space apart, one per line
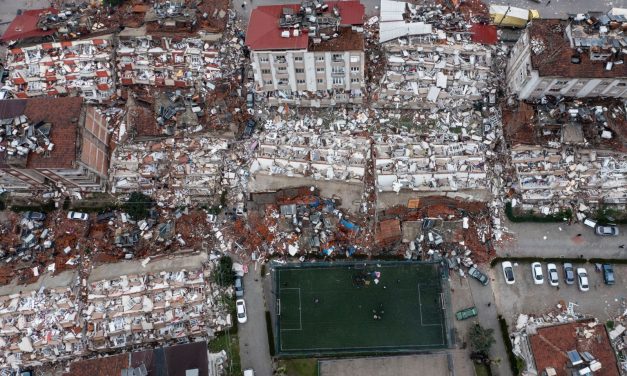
550 344
485 34
64 114
555 59
24 26
264 33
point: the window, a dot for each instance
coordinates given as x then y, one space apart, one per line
300 70
337 57
354 69
561 83
281 69
338 80
320 80
354 80
280 59
621 84
355 59
337 70
300 82
263 59
298 58
265 71
320 58
269 82
319 70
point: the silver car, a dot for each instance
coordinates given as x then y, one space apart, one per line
606 230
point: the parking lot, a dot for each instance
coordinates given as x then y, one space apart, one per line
601 301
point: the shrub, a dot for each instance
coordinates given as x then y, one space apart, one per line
514 361
224 275
138 205
530 217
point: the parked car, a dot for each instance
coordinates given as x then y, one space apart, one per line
241 311
569 273
34 216
250 127
608 274
239 286
478 275
249 372
582 278
466 313
250 99
552 276
536 270
105 216
606 230
508 272
77 215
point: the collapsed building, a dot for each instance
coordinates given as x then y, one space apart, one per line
310 54
81 67
430 60
581 57
188 169
568 151
48 326
43 147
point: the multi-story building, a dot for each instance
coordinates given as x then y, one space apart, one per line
81 67
52 143
581 57
310 54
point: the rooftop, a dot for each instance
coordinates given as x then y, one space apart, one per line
552 54
63 132
550 345
25 26
265 33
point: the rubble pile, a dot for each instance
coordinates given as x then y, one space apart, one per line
618 338
46 326
19 137
164 61
39 327
80 67
431 61
73 21
567 153
173 170
327 157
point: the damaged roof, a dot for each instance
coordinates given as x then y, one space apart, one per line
264 32
62 113
555 58
25 26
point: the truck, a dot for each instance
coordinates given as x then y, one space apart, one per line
508 16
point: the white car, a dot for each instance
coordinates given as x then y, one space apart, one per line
249 372
508 272
552 275
536 271
77 215
241 311
582 278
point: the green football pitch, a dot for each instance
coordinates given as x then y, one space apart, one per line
359 307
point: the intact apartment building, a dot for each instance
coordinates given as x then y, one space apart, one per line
310 54
52 143
580 57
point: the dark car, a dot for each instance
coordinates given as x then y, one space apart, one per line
34 216
569 273
239 286
250 127
105 216
478 275
608 274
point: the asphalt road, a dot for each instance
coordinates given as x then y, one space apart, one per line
560 239
8 10
561 8
253 337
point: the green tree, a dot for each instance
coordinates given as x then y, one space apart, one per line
224 274
481 339
138 205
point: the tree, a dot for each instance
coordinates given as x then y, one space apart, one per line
138 205
481 339
224 274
